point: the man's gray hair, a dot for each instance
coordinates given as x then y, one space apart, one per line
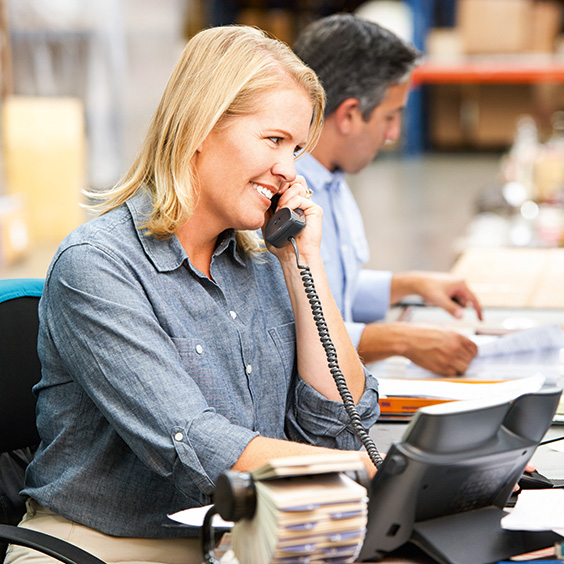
355 58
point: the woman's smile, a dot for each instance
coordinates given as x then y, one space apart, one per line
263 190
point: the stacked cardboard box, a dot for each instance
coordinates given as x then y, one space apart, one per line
509 26
484 115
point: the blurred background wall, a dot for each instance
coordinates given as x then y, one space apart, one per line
481 160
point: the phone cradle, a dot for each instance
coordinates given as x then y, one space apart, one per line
476 537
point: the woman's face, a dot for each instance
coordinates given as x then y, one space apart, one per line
247 160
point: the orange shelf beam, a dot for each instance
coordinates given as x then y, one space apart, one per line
488 72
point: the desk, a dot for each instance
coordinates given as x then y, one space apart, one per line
384 434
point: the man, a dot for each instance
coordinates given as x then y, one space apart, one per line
366 71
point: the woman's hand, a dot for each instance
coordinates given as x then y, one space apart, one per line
296 195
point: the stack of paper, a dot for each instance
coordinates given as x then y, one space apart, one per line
318 517
401 397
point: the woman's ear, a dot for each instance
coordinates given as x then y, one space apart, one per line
347 114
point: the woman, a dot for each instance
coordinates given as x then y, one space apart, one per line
172 348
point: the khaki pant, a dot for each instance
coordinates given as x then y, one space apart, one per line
107 548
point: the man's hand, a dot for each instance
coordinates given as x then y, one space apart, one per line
439 350
437 289
442 351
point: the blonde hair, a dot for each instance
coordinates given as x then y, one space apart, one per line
219 75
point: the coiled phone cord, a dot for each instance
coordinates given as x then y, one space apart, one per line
333 363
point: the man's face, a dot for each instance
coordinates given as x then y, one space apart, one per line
368 137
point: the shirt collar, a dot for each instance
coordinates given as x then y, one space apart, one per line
320 178
169 254
227 242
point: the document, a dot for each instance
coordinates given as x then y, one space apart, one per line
537 339
537 510
516 355
195 518
441 389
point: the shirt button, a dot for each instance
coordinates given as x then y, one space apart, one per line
199 349
178 436
233 314
249 369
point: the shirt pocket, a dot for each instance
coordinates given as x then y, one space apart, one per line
284 339
198 363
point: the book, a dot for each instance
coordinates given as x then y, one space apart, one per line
304 513
403 407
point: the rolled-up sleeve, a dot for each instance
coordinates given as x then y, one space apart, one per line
312 418
199 457
372 295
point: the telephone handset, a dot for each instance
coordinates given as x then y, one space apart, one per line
280 230
284 224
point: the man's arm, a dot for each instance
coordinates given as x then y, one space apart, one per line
438 350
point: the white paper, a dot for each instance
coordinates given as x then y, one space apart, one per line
509 389
557 446
505 364
537 510
530 340
195 517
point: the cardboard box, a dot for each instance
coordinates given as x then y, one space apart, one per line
495 26
445 124
499 106
514 278
444 44
277 22
545 26
477 116
45 160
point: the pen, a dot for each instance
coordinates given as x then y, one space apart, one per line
493 331
550 441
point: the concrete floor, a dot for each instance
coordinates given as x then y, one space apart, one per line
416 210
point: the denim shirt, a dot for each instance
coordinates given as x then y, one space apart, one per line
155 378
362 295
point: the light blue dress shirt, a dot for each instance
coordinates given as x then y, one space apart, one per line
362 295
155 378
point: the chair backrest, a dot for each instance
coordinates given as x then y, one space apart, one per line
19 364
19 371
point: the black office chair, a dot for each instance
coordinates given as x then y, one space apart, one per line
19 371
